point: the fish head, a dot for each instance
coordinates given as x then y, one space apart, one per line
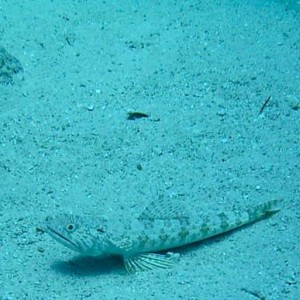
79 233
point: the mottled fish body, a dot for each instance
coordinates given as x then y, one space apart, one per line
161 226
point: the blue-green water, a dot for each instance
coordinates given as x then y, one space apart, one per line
220 83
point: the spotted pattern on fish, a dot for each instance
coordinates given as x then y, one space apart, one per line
161 226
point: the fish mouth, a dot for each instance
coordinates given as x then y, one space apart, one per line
61 238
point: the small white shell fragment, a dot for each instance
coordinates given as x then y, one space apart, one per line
90 107
87 106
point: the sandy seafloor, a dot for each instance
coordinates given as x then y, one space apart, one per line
202 71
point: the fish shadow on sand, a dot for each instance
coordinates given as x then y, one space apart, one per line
89 266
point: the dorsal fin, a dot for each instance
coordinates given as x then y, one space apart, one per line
163 210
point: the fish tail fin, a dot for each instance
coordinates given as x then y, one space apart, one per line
263 211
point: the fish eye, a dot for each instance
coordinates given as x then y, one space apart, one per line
70 227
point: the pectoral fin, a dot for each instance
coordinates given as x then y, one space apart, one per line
147 261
